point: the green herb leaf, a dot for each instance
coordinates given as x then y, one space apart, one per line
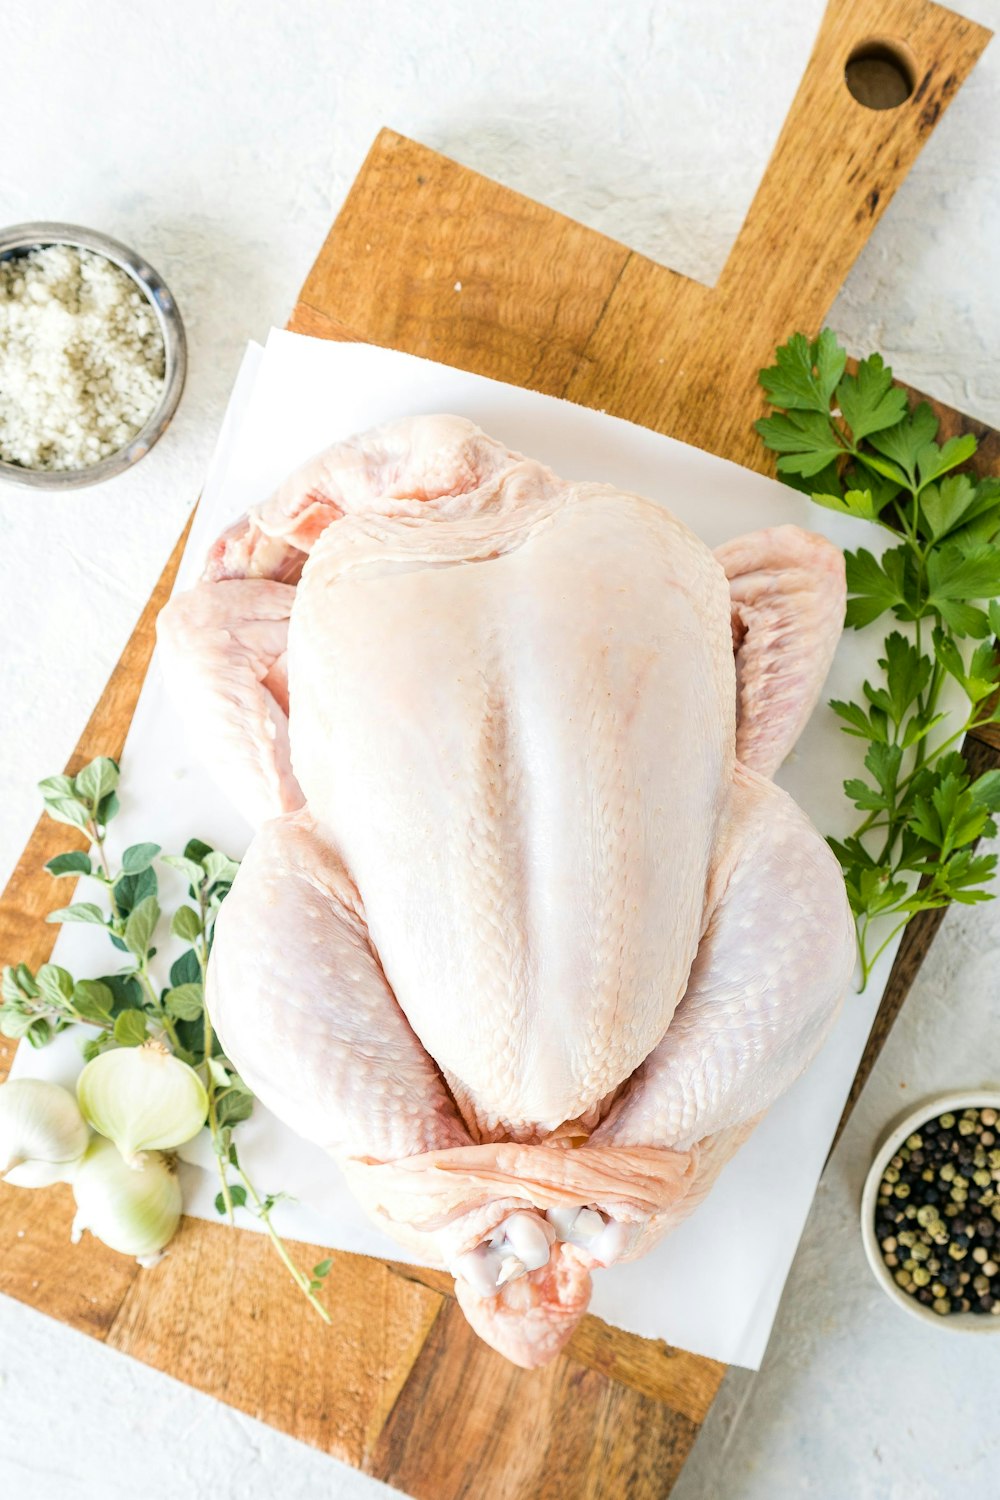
15 1024
985 790
806 441
237 1194
933 461
55 985
944 505
75 862
138 857
234 1104
130 1028
219 868
185 1002
190 868
322 1268
66 810
140 927
80 911
869 400
806 374
186 969
875 586
904 443
131 890
92 1001
126 991
859 503
107 808
57 788
186 924
957 574
96 781
219 1073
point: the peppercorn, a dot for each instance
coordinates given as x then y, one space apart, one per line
938 1213
988 1115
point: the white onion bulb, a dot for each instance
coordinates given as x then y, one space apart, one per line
143 1099
133 1211
42 1132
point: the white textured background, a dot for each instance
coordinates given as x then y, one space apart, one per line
219 138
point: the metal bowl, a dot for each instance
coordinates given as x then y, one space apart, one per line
941 1104
21 238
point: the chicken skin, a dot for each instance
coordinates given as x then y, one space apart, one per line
527 938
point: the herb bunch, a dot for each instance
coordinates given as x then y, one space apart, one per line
854 444
129 1007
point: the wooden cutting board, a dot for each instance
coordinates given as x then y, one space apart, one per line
399 1386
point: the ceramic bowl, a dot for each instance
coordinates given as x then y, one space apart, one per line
944 1104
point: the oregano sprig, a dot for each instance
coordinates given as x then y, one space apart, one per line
854 444
128 1007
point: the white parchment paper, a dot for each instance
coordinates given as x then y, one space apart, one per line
712 1287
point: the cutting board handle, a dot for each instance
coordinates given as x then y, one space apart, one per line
837 162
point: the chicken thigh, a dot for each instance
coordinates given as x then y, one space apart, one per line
527 938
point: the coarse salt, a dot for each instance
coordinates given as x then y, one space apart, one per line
82 363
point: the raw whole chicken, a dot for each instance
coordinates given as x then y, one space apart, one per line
527 938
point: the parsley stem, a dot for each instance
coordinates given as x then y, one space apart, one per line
869 964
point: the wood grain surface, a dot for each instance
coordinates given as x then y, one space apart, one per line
399 1386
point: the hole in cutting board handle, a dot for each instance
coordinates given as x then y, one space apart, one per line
880 74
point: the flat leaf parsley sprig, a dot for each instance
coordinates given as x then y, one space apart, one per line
855 446
128 1007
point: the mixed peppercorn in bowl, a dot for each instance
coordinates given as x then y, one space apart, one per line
930 1213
